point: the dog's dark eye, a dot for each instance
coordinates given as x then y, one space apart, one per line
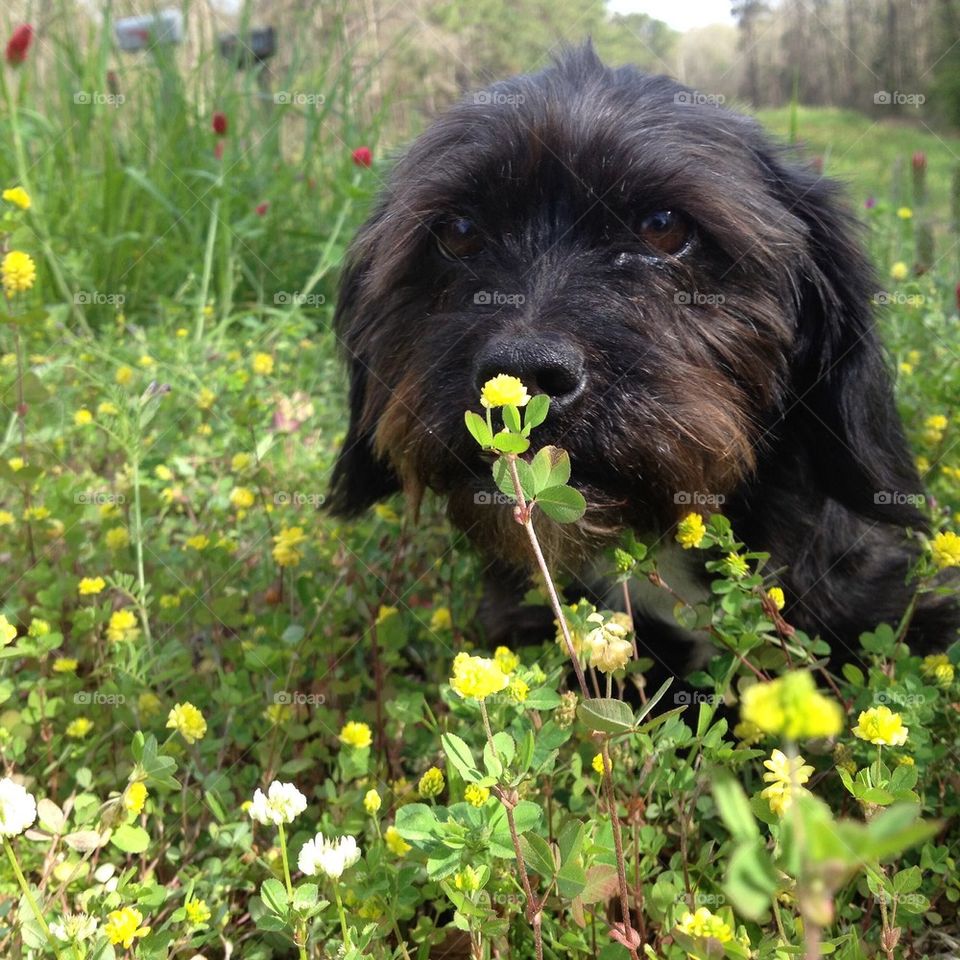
458 239
665 230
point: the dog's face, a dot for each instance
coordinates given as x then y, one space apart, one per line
639 254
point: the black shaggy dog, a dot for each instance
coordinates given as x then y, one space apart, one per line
698 307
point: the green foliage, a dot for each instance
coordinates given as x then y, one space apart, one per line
183 463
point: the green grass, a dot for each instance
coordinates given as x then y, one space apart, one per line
872 156
198 508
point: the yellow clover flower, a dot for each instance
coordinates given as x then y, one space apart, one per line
431 783
83 417
786 777
882 726
197 542
371 802
122 626
691 530
79 728
286 551
904 213
124 926
90 586
441 620
356 735
899 271
18 197
937 667
597 764
197 911
134 797
506 659
242 498
519 690
117 538
777 598
65 665
945 550
735 566
188 721
791 706
8 632
607 643
502 390
476 795
18 272
262 364
477 677
395 843
706 925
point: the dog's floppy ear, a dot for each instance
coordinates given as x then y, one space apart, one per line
360 478
841 400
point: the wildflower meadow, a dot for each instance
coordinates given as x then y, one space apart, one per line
232 726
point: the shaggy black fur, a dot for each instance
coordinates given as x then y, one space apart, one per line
697 303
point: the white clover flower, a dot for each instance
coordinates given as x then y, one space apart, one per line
329 857
18 809
281 804
74 927
607 644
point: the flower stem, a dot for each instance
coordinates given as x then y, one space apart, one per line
286 864
28 896
544 569
342 915
207 267
618 845
21 415
534 912
138 544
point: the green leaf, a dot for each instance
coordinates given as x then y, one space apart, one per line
507 442
527 815
751 880
853 674
504 480
571 880
478 429
540 467
511 417
271 923
461 756
305 896
606 715
906 881
602 883
274 895
734 808
542 698
130 839
505 746
417 822
536 411
559 467
896 830
538 855
562 504
654 700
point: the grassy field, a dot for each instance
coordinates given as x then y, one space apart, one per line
181 626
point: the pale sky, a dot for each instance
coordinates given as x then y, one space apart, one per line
679 14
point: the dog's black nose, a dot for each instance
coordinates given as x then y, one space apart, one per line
554 367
